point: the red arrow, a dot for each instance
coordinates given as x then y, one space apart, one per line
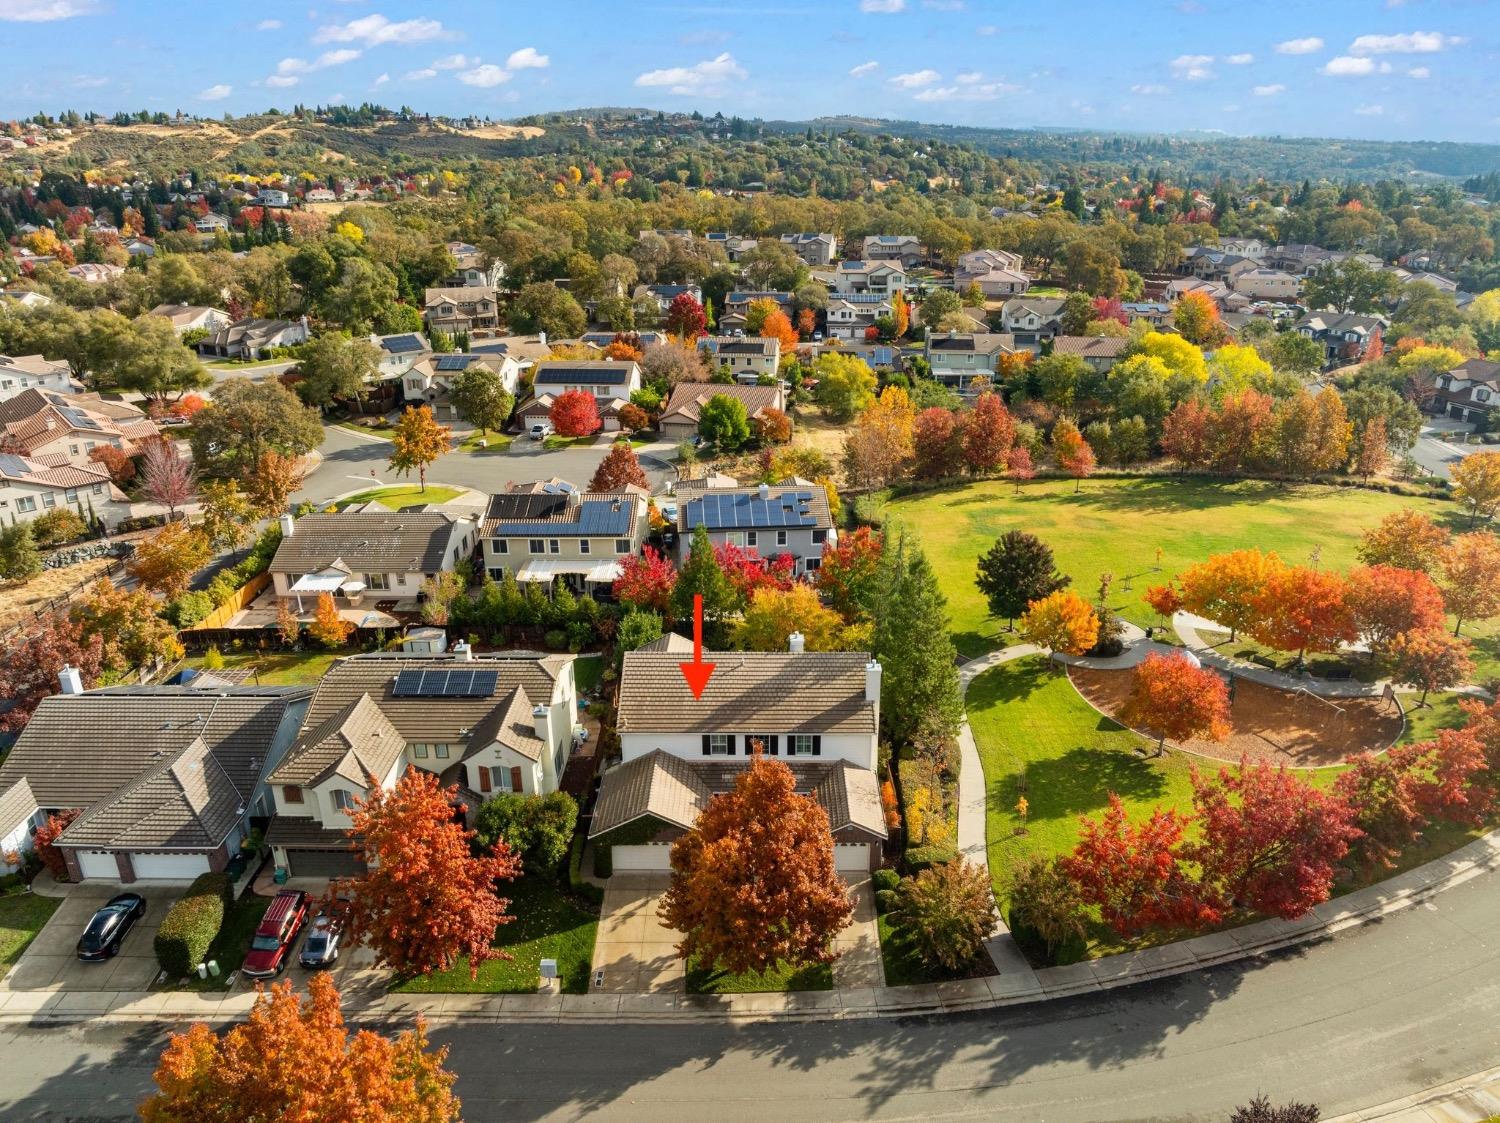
697 672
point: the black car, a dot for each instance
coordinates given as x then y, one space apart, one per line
321 948
111 924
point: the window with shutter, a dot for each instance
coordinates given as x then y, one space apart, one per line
719 744
707 747
817 745
484 778
515 780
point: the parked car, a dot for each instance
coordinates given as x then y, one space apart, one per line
278 931
321 948
109 927
540 430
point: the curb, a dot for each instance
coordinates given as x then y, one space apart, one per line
1473 1097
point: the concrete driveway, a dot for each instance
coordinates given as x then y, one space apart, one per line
51 962
635 951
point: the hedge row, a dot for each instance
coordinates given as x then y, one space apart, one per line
192 925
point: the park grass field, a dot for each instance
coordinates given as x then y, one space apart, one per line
1120 526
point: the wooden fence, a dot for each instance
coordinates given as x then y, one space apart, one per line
220 617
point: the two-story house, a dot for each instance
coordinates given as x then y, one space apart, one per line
430 379
904 249
489 723
998 273
1346 336
610 381
748 357
211 223
885 278
471 270
1032 319
663 295
737 307
399 353
273 197
168 777
848 317
549 531
1100 352
1469 392
461 309
815 249
1210 264
684 408
29 488
33 372
733 245
772 520
1267 284
56 428
363 557
817 711
957 358
1298 258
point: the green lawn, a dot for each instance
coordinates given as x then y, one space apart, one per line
549 924
784 976
587 670
1423 722
904 965
277 668
493 442
555 442
404 495
1119 525
21 918
1352 664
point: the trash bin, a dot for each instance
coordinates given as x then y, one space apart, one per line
281 875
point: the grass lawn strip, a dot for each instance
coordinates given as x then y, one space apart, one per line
549 924
493 442
405 495
22 916
277 668
782 977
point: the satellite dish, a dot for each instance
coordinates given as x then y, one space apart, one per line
1192 660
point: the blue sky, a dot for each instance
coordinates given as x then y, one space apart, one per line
1401 69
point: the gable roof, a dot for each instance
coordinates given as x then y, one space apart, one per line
605 372
590 514
370 541
736 508
1089 346
688 398
353 742
36 417
777 692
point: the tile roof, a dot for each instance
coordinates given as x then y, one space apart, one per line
37 417
688 398
511 724
1089 346
369 542
16 804
353 742
590 514
776 692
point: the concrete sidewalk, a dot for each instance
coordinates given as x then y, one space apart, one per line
1471 1100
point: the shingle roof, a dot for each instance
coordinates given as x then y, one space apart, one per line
368 541
1089 346
742 508
566 371
590 514
16 803
775 692
688 398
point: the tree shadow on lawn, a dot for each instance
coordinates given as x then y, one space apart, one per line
1173 496
1080 781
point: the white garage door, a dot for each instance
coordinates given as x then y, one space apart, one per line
650 857
169 867
851 856
98 864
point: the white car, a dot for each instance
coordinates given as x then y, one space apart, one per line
540 430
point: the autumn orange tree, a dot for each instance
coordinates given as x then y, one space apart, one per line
1173 697
986 434
1061 622
294 1058
425 898
1303 609
1406 539
1476 484
879 448
1471 576
1228 588
777 326
276 479
418 441
1073 454
1386 601
753 883
618 469
1428 660
167 560
328 626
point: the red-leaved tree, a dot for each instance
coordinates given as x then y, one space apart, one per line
425 898
1303 609
29 666
1173 698
748 571
166 477
1074 456
1429 660
848 578
619 468
575 413
1018 466
1387 601
685 317
936 440
45 839
646 581
988 433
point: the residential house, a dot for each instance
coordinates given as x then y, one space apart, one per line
140 247
253 338
1222 295
737 307
488 723
815 249
399 353
996 272
1436 280
549 531
1032 319
885 278
471 270
1244 247
30 487
610 381
1267 284
773 520
431 378
1469 392
878 356
638 339
663 295
849 317
1100 352
735 247
819 712
272 197
681 412
55 428
749 357
191 317
33 372
462 308
957 358
95 273
27 298
905 249
1208 263
1155 312
368 556
1345 336
1298 258
167 777
211 223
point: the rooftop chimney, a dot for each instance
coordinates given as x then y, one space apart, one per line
796 644
69 681
765 491
288 525
872 682
464 652
541 337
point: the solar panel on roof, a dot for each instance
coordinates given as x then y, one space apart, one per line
401 344
454 362
446 682
406 684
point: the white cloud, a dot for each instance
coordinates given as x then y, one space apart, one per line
382 80
1239 60
885 6
1269 91
282 81
915 80
528 58
1192 68
1148 89
268 25
292 66
484 76
987 30
1300 46
215 93
974 91
1412 43
706 77
326 59
419 75
454 62
374 30
1370 110
968 77
863 69
44 11
1419 72
1347 66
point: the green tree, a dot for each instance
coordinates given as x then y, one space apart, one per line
537 827
336 367
481 398
19 559
1077 311
701 574
846 385
541 307
246 420
1348 286
920 700
1015 571
637 628
361 295
153 362
725 422
938 305
1295 353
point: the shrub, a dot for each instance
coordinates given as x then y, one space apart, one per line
556 639
886 900
222 587
886 879
213 659
140 522
57 527
947 912
190 608
192 925
539 828
1047 914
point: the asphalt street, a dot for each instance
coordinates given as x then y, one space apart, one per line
1359 1019
349 458
1437 453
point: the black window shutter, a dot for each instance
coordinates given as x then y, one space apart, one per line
705 744
817 744
730 738
771 745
